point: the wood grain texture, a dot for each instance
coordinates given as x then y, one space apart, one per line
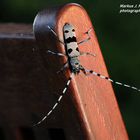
92 97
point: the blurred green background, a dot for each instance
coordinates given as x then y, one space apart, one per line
119 39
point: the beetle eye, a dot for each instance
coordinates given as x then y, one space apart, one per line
76 63
66 31
73 30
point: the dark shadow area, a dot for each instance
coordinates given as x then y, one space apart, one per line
27 133
2 136
56 134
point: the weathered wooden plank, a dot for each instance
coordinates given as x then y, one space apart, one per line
92 97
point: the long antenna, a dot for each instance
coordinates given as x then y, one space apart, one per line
58 101
107 78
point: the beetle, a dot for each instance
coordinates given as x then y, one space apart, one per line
72 53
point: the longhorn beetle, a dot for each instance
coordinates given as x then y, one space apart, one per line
72 53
